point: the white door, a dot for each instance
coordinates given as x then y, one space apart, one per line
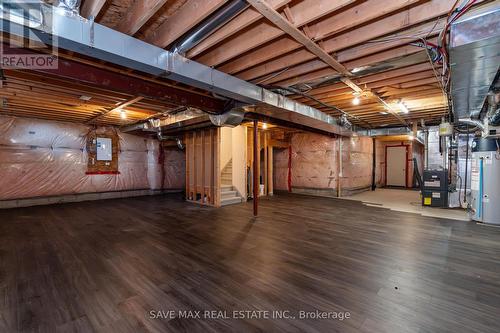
396 166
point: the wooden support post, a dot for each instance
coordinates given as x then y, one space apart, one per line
217 167
203 168
374 163
195 169
270 183
265 173
212 174
255 167
340 172
290 168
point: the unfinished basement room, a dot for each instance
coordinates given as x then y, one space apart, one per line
250 166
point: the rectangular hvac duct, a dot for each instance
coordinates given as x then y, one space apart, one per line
74 33
474 59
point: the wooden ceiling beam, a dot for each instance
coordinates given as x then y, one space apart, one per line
119 107
92 8
242 21
301 56
140 12
303 13
402 20
303 75
367 11
285 25
186 18
272 15
96 77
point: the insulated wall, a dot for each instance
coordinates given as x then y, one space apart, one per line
280 168
45 158
316 164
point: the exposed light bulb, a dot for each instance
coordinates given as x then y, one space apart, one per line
123 114
355 100
411 137
264 126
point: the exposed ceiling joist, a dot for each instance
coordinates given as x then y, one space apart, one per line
272 15
119 107
244 20
268 12
387 25
97 77
188 16
264 32
92 8
138 15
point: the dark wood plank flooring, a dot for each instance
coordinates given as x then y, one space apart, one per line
103 266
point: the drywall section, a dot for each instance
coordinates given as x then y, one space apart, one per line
316 167
238 148
41 158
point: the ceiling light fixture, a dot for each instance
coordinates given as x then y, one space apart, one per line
85 98
356 100
123 114
264 126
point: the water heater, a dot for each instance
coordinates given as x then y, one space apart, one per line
485 181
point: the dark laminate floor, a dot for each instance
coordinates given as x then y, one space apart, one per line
102 266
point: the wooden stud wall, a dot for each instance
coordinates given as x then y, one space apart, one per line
203 167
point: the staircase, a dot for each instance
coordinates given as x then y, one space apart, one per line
229 195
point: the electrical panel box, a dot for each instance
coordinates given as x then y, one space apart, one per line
104 148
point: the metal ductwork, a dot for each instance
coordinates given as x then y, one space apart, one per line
493 114
88 38
70 6
178 140
216 20
231 118
472 122
474 59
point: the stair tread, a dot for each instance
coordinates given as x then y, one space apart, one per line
229 194
229 201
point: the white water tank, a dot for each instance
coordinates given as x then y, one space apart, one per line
485 181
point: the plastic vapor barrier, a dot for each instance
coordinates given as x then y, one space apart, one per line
280 168
175 166
46 158
357 162
315 162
